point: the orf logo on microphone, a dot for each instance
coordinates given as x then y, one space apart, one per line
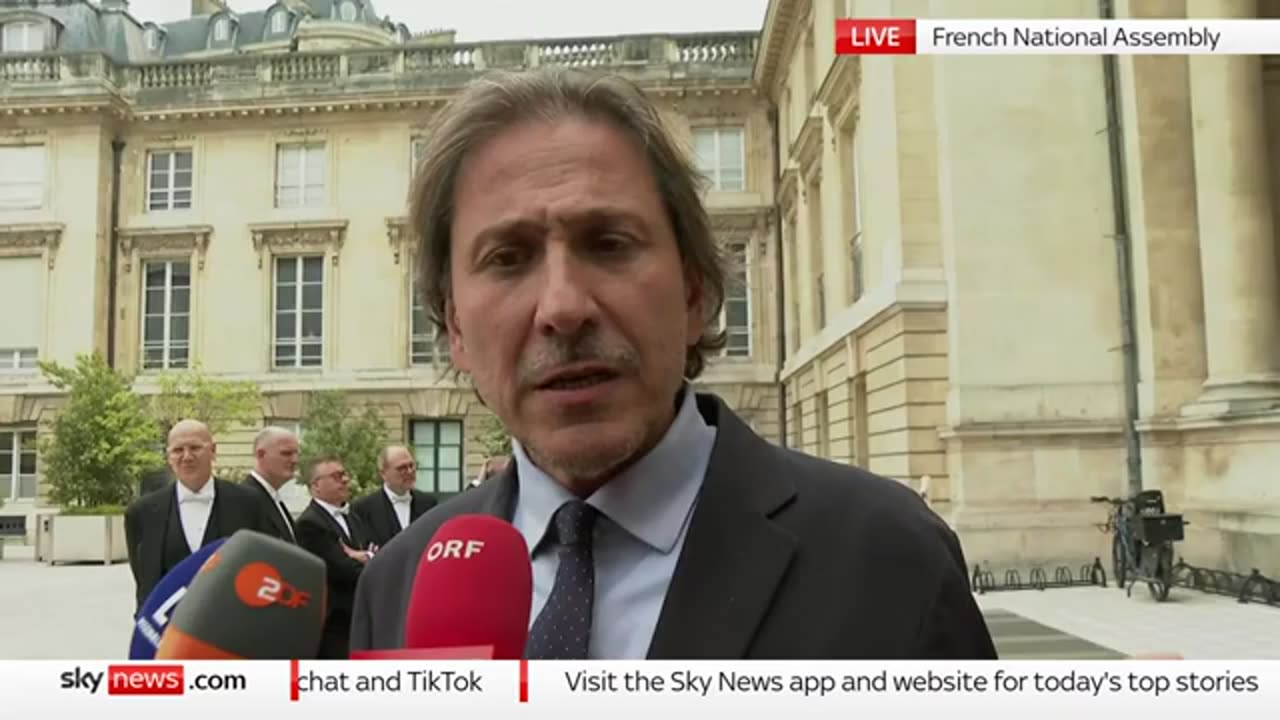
258 585
456 549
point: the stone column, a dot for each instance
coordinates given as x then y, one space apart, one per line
1237 227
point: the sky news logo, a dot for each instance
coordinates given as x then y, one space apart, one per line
127 680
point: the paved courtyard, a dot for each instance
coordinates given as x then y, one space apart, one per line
83 612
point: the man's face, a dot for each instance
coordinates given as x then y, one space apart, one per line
400 471
278 459
191 454
330 483
570 308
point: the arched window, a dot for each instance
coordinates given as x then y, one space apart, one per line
348 11
222 30
280 22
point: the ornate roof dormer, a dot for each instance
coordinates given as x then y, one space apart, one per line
223 27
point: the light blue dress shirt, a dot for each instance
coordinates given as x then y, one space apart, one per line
644 516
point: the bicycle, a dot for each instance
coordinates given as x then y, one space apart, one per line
1142 541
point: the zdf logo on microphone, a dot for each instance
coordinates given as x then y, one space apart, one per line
258 585
456 549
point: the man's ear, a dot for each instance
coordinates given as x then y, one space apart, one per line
457 347
695 307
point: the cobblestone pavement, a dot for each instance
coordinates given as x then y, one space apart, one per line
83 612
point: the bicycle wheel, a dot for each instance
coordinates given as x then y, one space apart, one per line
1119 563
1162 572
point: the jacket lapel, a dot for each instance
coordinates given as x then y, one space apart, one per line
333 523
420 505
497 495
390 523
734 555
212 530
156 529
277 520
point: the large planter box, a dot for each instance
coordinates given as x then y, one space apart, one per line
84 538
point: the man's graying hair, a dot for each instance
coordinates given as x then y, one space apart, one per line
500 100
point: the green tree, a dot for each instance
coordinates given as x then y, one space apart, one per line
102 440
332 426
493 438
220 404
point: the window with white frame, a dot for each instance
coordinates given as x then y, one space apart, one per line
423 334
720 156
437 450
300 175
21 312
169 180
299 311
23 37
348 11
23 179
17 464
856 280
153 39
735 315
166 315
280 22
221 30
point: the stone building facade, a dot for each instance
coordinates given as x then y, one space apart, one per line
955 306
1020 281
230 189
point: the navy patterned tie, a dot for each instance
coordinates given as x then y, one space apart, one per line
563 628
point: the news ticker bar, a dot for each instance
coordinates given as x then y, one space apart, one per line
1005 689
905 36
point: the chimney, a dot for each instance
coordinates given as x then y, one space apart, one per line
207 7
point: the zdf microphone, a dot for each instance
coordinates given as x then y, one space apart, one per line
471 595
157 610
256 598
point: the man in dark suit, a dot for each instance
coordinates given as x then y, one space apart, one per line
567 255
275 460
397 503
164 526
331 532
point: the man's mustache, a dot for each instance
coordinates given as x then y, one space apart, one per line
555 352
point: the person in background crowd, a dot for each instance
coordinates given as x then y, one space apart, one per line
166 525
328 530
398 503
275 461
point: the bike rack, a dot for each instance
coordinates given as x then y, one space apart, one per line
1254 587
984 581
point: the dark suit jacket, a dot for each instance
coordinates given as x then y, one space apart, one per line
320 535
787 557
269 508
153 529
380 518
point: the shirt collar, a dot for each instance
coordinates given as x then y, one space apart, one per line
330 507
205 492
392 496
275 494
651 500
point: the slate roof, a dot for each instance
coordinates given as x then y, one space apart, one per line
84 26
